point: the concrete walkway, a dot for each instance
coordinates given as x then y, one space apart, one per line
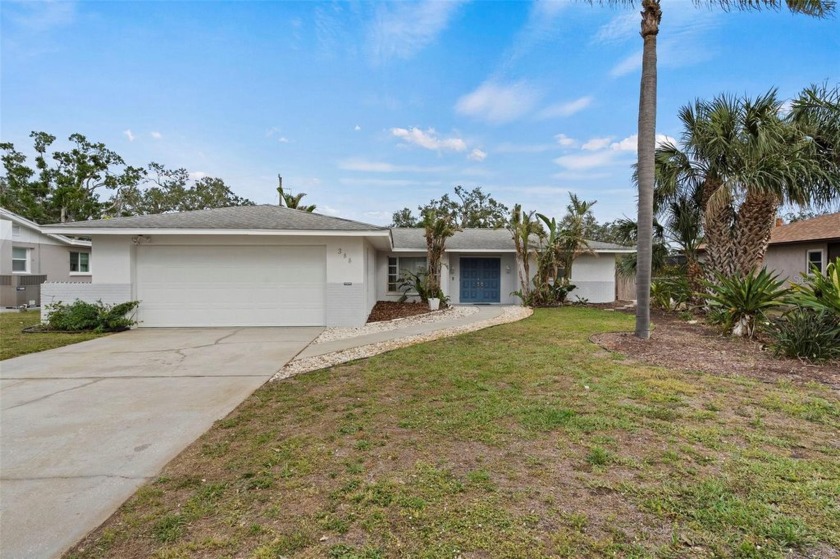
83 426
485 312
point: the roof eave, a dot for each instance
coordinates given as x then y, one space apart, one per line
93 231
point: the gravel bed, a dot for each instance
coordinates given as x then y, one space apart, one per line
332 334
297 366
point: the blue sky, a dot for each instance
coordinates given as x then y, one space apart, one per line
371 107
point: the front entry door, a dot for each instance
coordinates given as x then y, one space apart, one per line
480 280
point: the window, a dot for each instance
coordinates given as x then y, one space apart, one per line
15 230
80 262
399 265
20 259
815 260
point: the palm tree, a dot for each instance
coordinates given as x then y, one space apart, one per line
572 239
523 227
651 17
292 201
739 161
438 226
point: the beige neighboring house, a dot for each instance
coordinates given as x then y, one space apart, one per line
795 247
29 257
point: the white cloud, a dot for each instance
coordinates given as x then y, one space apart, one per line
283 140
156 135
566 109
476 172
477 155
385 182
786 107
580 176
627 144
428 139
357 128
583 161
508 147
595 144
540 28
683 40
197 175
129 134
627 65
402 29
498 103
40 16
619 29
565 141
382 167
601 152
630 143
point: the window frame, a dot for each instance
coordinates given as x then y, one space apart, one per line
78 254
394 273
26 260
809 262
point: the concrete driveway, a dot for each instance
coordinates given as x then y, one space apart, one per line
83 426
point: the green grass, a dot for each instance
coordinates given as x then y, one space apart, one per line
13 342
523 440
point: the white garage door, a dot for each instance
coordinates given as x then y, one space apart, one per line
231 285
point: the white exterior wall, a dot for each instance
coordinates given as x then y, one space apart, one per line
450 275
347 299
594 278
110 294
509 280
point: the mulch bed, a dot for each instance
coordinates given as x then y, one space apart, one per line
676 344
389 310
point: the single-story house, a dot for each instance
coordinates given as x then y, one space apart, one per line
274 266
29 257
795 247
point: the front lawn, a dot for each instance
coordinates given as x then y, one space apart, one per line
523 440
13 342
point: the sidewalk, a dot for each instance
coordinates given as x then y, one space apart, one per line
484 313
334 352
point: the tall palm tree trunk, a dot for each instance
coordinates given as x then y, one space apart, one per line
651 16
756 217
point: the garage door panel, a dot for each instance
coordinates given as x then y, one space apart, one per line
231 286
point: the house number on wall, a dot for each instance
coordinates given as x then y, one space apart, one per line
344 255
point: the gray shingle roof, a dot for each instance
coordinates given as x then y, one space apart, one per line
265 217
477 239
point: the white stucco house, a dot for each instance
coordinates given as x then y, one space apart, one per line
274 266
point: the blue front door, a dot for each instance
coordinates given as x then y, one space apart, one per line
480 280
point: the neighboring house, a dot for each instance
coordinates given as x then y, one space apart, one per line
275 266
29 257
797 246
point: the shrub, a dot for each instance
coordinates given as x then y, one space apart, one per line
807 334
669 293
545 294
97 317
414 284
736 302
820 292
